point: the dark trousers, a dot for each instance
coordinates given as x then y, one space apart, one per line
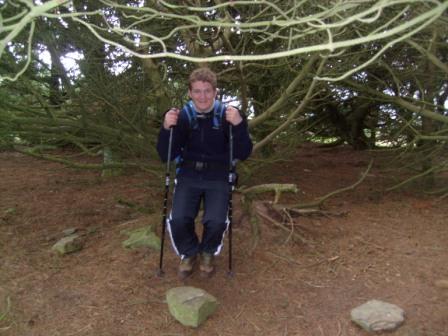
188 194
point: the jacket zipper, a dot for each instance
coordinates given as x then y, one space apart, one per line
202 140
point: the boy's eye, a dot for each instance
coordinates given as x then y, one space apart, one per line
207 92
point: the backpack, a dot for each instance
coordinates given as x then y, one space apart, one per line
218 113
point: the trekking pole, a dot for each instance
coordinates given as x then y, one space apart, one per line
165 202
232 178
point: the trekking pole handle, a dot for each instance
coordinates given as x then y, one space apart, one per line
170 146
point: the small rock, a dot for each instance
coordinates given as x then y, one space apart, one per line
142 237
376 316
442 283
70 231
68 244
92 229
190 306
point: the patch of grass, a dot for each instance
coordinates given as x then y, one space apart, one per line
10 211
4 314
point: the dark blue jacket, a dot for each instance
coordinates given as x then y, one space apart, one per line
205 144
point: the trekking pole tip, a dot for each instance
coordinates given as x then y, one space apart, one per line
160 273
230 274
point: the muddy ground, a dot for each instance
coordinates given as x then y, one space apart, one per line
366 244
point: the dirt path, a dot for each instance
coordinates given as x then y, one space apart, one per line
386 246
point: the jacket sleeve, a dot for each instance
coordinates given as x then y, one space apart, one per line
242 143
179 138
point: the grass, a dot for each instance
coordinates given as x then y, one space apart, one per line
4 314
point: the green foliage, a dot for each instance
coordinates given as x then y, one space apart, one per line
382 76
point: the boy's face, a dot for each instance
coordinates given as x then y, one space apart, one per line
203 95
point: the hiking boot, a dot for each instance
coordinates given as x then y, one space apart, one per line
206 265
186 267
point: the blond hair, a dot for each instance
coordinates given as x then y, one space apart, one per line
203 75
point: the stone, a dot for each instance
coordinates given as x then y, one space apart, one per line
69 244
92 229
443 283
375 315
191 306
142 237
69 231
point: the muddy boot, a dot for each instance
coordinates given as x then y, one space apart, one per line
186 267
206 266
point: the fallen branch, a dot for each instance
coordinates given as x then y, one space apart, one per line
314 211
286 209
318 203
248 195
280 225
87 166
317 263
275 187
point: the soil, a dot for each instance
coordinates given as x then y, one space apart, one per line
365 244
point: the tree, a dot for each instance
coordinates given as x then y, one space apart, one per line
347 70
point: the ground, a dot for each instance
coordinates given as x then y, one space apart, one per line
367 244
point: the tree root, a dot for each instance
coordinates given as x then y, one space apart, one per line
88 166
286 211
262 188
282 226
318 203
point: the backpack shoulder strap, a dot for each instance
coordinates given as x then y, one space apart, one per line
190 111
218 112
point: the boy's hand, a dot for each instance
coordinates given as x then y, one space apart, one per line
171 118
233 115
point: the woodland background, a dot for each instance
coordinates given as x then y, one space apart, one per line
342 201
98 76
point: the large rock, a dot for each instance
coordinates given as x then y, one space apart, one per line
69 244
190 306
376 316
142 237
